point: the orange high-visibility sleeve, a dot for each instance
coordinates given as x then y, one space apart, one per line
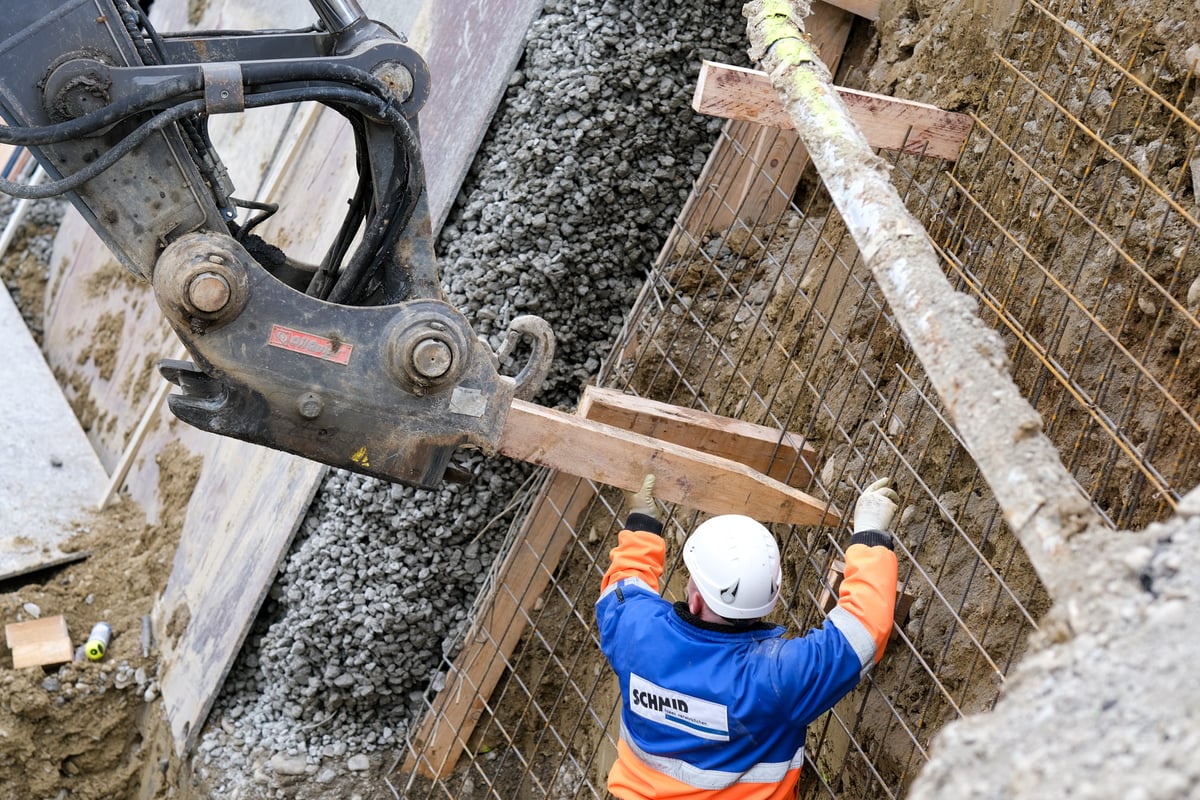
868 590
638 554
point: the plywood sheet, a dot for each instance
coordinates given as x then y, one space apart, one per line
49 473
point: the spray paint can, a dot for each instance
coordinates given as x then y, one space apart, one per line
97 643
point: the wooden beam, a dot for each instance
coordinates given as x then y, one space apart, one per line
621 458
41 642
551 525
781 455
887 122
770 161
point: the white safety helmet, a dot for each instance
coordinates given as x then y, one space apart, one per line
734 563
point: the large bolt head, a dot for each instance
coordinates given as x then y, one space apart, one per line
397 78
201 280
209 292
428 347
432 358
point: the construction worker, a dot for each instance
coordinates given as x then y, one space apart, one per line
715 701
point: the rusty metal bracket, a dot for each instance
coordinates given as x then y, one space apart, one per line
223 91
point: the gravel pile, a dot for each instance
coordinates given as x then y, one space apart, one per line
589 161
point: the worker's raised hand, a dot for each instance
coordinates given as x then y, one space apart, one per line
642 501
876 507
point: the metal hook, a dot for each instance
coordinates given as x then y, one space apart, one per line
530 378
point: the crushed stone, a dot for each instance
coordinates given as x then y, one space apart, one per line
588 162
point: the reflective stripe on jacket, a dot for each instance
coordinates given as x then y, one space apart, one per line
711 711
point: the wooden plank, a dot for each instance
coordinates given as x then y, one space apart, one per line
761 186
886 122
49 473
524 575
472 48
781 455
620 458
39 642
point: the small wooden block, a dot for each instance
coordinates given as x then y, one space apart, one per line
829 597
39 642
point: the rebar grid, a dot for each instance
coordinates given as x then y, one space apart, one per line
1070 217
1075 230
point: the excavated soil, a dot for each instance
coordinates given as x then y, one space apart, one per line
87 729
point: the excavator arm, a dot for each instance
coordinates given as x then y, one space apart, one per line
358 361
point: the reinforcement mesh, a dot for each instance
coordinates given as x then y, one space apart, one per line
1070 217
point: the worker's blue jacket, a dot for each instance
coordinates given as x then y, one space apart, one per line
711 711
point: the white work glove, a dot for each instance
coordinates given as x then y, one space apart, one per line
642 501
875 507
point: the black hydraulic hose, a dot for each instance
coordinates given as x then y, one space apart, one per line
171 88
258 75
394 229
325 277
84 126
136 21
119 150
267 209
374 240
323 281
265 73
388 220
387 223
191 107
